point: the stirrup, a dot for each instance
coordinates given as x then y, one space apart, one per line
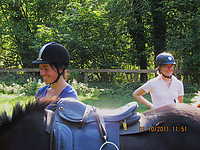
107 142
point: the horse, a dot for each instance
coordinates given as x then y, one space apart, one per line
174 126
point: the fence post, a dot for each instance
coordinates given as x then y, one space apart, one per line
85 77
33 76
185 78
136 78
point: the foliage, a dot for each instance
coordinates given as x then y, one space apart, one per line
102 34
32 86
13 89
129 20
96 41
102 95
191 88
83 89
17 77
19 24
184 34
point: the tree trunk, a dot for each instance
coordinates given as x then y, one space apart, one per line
138 36
159 27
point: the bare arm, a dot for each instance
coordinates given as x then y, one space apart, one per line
138 96
180 99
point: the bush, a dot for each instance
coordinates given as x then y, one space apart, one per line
93 89
84 90
30 88
19 78
12 89
191 88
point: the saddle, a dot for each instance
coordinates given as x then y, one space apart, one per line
77 126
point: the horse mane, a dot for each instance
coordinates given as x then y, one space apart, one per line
19 111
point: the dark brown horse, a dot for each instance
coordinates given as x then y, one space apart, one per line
175 127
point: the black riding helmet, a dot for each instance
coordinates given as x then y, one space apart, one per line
164 59
53 54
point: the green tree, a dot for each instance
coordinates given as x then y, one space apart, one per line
159 27
19 23
134 15
92 38
102 34
183 34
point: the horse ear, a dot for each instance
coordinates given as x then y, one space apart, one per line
17 110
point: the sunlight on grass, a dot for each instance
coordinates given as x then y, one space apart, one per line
7 102
102 96
6 107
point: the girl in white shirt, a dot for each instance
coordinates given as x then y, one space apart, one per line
165 88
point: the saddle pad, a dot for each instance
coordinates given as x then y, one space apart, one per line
81 136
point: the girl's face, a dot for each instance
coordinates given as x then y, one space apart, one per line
167 69
49 74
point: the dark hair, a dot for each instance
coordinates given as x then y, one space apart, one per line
59 66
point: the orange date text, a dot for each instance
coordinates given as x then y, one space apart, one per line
154 129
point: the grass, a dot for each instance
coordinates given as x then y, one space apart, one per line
104 96
7 102
105 101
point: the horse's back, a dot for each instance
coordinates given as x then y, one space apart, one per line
179 112
174 127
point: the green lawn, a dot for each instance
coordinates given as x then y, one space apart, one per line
104 100
7 102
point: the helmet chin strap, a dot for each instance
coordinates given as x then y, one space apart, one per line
59 74
169 77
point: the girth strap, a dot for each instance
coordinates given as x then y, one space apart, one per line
101 124
102 129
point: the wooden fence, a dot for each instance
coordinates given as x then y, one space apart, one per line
86 71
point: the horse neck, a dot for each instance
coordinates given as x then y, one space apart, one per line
28 131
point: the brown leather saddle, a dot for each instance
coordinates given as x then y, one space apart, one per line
77 126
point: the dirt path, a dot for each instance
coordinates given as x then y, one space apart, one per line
196 100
